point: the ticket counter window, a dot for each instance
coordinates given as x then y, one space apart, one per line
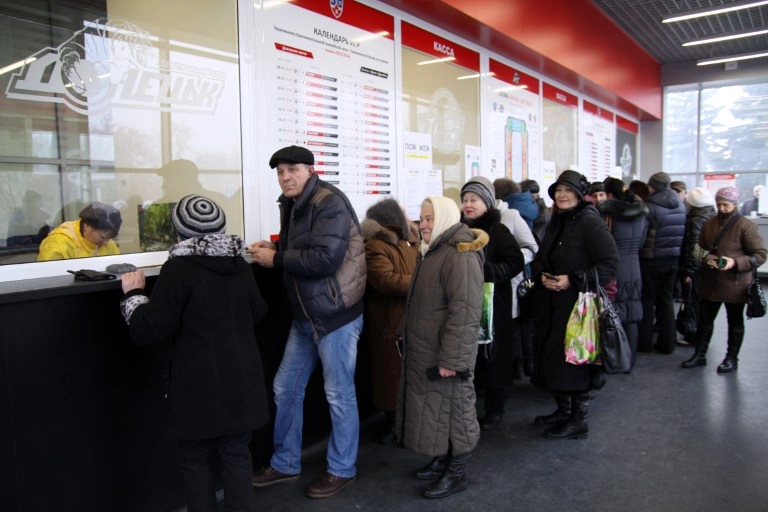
129 104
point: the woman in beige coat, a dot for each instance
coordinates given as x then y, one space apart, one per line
436 407
726 273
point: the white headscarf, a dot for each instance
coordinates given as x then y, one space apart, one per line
446 214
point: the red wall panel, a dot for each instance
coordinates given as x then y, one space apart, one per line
571 41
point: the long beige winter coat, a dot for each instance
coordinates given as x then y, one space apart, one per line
441 327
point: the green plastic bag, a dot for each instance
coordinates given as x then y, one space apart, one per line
582 333
486 316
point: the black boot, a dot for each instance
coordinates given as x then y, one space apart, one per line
387 435
494 408
452 480
434 469
576 425
699 357
560 415
731 361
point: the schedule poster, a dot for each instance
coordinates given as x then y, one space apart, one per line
597 144
626 148
334 92
513 101
560 112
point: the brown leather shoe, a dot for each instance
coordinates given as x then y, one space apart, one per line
269 476
328 485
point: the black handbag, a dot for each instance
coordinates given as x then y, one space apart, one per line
686 317
755 299
524 293
615 354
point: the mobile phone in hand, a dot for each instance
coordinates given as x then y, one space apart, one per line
722 262
549 276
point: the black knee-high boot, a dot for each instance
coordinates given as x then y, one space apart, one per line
453 479
731 361
699 357
576 425
561 414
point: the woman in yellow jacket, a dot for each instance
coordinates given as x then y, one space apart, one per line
90 235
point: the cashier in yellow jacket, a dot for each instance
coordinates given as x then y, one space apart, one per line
90 235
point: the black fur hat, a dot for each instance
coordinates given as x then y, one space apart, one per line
388 212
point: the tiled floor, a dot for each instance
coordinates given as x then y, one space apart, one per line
661 439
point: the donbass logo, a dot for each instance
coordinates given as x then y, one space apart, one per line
337 7
111 64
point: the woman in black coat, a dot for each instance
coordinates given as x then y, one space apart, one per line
576 243
503 261
624 213
205 306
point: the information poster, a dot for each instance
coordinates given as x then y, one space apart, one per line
560 113
514 103
441 97
422 179
333 92
626 149
597 144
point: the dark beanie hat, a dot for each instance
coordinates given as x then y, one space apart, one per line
575 180
596 186
659 180
102 216
614 186
388 212
483 187
196 215
531 186
292 155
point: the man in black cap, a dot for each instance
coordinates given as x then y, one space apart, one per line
659 260
322 256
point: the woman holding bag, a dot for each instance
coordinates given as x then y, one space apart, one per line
576 242
734 246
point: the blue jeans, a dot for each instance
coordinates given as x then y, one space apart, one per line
337 352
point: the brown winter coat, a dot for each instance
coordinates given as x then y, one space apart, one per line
391 262
740 242
441 327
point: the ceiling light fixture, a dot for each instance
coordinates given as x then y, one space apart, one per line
731 58
727 37
435 61
709 11
476 75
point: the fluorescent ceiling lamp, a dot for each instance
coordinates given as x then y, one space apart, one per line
727 37
476 75
368 37
711 11
730 58
435 61
513 88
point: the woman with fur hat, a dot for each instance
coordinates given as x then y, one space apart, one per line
391 246
577 243
90 235
624 213
436 406
503 261
206 304
726 273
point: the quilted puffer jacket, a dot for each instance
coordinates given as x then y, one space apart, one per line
441 328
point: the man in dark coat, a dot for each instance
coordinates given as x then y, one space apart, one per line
322 256
206 304
659 260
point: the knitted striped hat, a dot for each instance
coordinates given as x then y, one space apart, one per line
195 215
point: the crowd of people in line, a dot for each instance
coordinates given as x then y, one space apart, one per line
415 293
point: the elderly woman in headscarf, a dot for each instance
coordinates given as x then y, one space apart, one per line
734 248
436 406
391 246
576 244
